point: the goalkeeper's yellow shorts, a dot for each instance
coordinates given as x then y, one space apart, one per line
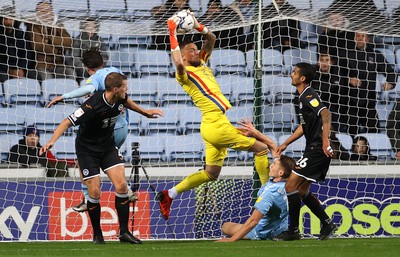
218 135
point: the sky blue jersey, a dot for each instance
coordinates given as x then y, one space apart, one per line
273 204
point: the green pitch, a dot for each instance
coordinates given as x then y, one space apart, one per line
374 247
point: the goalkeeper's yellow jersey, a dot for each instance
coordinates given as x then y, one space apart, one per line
200 84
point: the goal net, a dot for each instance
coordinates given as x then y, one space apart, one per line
354 45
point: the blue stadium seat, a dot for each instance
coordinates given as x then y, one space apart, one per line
279 118
74 8
123 59
379 144
153 62
170 92
242 89
190 120
187 148
237 113
55 87
64 148
389 55
225 85
143 90
13 119
293 56
383 110
228 61
7 140
115 8
397 53
272 61
168 124
295 149
142 8
151 148
23 91
47 119
278 89
345 139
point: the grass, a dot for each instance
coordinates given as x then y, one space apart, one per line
376 247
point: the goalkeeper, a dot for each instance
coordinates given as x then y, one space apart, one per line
93 61
217 132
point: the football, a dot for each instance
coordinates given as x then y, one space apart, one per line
186 21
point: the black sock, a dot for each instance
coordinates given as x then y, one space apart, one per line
294 212
315 206
122 206
94 214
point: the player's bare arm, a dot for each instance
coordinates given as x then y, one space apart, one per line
249 130
151 113
210 38
326 118
64 125
296 135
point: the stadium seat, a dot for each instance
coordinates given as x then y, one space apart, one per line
272 61
153 62
345 139
237 113
7 140
143 90
23 91
190 120
123 59
225 85
151 148
293 56
383 110
115 8
397 53
170 92
228 61
379 144
55 87
64 148
168 124
47 119
242 89
389 55
74 8
279 118
295 149
187 148
13 119
278 89
142 8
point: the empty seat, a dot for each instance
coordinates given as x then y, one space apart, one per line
345 139
170 92
389 55
279 118
228 61
237 113
123 59
190 120
23 91
55 87
379 145
7 140
272 61
143 90
225 84
242 88
295 149
293 56
184 148
169 123
47 119
151 148
278 89
13 119
153 62
64 148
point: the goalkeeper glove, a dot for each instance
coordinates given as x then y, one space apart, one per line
172 25
197 25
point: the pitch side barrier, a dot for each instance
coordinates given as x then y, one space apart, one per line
363 199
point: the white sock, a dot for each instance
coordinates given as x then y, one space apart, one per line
172 193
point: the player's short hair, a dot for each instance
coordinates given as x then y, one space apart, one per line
92 58
184 43
307 70
287 164
114 79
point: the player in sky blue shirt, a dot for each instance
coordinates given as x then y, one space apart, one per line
270 212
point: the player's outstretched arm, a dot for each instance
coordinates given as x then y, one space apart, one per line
175 50
249 130
250 223
296 135
64 125
151 113
79 92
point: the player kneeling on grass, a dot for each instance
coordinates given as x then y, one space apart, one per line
95 149
270 215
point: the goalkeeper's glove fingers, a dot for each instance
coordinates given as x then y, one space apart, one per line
173 24
196 24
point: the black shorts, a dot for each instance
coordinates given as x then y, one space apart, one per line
91 162
313 165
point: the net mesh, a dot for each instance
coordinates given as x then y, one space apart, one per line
40 58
